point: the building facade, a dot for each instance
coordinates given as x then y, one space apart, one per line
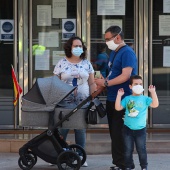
33 33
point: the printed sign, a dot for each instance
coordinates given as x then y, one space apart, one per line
68 28
7 30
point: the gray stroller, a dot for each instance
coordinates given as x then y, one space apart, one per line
41 107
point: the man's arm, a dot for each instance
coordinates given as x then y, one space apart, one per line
126 73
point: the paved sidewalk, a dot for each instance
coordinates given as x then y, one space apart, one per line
9 161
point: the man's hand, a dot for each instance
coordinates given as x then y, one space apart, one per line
100 82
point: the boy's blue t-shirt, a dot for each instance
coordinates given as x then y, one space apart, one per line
139 105
125 57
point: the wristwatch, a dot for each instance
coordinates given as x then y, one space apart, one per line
106 83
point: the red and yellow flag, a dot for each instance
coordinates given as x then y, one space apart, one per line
17 88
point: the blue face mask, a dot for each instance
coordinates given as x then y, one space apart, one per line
77 51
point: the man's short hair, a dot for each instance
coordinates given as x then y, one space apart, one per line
115 30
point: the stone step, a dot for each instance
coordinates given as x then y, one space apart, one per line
105 147
97 141
92 147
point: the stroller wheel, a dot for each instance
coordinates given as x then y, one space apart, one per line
68 160
79 150
26 162
33 155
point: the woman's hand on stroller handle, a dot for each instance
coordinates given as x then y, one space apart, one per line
97 92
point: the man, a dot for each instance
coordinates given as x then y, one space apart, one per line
122 64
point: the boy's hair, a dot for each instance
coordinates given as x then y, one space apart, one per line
133 78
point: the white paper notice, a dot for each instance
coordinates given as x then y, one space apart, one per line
164 25
59 9
42 62
106 23
111 7
166 56
48 39
43 15
166 6
57 55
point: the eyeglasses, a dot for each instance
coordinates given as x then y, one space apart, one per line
108 39
78 46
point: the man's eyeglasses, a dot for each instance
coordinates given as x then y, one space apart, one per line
108 39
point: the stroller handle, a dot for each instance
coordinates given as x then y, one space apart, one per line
97 92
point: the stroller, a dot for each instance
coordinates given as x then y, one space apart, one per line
42 99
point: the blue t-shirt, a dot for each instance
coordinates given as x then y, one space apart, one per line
125 57
136 111
102 61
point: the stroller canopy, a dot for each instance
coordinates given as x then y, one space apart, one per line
45 94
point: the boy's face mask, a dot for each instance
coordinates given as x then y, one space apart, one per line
137 89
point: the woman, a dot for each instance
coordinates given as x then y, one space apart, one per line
77 71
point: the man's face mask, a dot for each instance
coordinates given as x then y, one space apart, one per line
111 44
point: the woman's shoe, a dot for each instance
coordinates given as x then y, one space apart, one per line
85 164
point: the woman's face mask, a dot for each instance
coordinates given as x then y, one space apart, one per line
77 51
137 89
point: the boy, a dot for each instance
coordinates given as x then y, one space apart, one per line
134 130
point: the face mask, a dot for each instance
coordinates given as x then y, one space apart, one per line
111 44
77 51
138 89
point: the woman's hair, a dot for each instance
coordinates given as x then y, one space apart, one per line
68 47
134 78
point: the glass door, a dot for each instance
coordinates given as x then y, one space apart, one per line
6 59
159 62
53 22
103 14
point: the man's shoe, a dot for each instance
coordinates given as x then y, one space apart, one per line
51 164
115 168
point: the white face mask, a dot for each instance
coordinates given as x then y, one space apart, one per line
111 44
138 89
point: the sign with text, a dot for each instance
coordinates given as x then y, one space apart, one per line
68 28
7 30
